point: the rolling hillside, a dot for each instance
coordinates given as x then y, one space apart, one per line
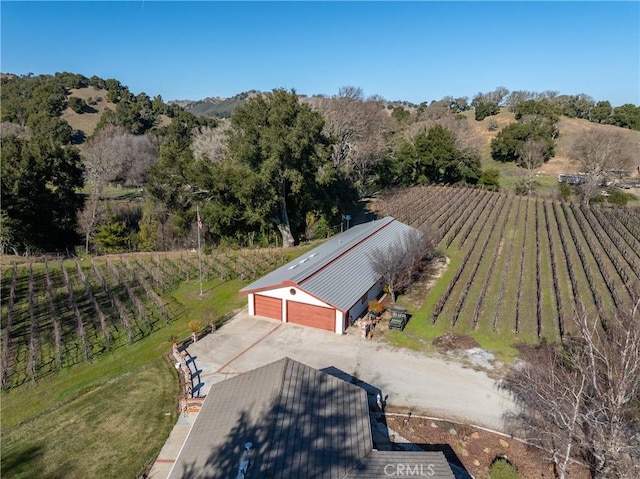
569 128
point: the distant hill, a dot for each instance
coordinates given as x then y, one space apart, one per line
96 97
215 106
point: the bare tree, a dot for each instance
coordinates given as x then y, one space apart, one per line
112 155
581 400
419 246
210 142
360 130
530 157
518 97
102 163
497 96
598 151
612 368
137 154
551 398
399 262
14 129
351 92
390 264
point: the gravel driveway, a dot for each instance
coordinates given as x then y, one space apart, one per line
410 381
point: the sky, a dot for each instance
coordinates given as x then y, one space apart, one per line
413 51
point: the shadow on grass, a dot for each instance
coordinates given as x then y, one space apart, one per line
21 462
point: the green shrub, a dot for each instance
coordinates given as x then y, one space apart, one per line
112 237
401 115
490 179
564 190
485 109
502 469
618 197
322 228
76 104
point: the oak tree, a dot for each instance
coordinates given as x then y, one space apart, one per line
281 141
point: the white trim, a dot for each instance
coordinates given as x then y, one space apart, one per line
339 326
251 308
300 296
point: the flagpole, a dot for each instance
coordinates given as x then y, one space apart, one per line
199 253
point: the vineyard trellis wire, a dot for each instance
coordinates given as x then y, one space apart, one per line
55 316
595 250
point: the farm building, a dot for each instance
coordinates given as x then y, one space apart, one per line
287 419
330 284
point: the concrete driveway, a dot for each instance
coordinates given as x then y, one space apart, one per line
409 380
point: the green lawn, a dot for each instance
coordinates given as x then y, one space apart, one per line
111 429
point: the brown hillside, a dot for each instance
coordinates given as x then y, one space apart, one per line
481 128
570 129
87 122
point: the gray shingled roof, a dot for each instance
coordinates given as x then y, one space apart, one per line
303 423
402 464
338 271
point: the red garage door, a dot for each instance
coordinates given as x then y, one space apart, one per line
268 307
308 315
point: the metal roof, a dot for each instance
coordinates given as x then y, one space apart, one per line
338 271
301 422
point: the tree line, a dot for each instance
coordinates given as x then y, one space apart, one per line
281 169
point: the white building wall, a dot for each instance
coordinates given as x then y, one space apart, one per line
252 310
299 296
360 308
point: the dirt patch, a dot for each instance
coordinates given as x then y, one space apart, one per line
413 298
451 341
474 448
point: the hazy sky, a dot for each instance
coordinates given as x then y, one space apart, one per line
414 51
